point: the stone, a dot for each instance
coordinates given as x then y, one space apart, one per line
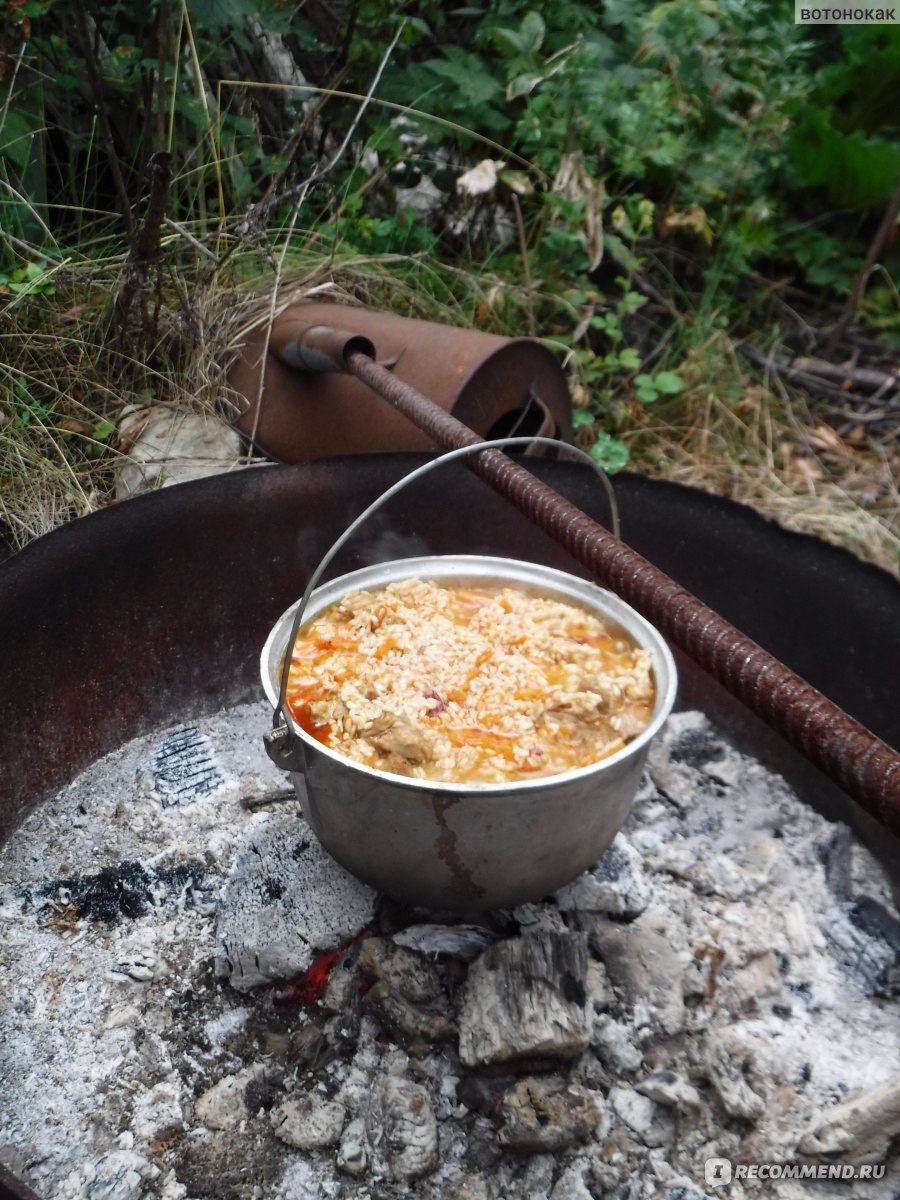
641 961
402 1130
544 1115
308 1122
284 899
526 996
224 1106
172 445
616 884
859 1128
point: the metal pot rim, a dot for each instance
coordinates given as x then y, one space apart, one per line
476 567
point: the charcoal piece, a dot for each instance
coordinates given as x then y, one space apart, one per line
613 1043
471 1187
728 1062
865 941
224 1105
836 859
670 1089
402 1130
616 884
127 890
405 1020
526 996
407 972
877 921
267 933
119 1175
541 1116
697 746
572 1183
455 941
184 768
308 1122
642 964
859 1128
353 1155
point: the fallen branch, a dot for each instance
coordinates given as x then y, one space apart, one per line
864 377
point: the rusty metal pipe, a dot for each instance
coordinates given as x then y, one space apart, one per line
316 348
844 749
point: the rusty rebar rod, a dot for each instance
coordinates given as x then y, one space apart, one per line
844 749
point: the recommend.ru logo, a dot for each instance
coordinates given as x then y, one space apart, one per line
717 1171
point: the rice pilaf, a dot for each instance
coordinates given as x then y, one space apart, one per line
467 684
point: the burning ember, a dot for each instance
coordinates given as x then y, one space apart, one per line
200 1003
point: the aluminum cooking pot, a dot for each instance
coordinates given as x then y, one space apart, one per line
470 846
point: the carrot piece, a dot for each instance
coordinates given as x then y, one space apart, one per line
386 647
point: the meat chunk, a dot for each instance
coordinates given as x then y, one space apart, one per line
402 738
608 693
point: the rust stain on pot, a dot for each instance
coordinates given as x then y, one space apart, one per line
448 851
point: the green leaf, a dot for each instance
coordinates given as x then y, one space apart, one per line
15 138
644 381
609 453
580 418
630 359
523 85
647 395
532 32
474 82
103 430
668 382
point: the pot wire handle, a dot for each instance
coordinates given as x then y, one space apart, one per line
279 739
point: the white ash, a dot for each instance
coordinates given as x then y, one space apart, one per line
724 983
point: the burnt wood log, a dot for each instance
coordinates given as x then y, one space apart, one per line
526 996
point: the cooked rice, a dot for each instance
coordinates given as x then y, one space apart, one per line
471 684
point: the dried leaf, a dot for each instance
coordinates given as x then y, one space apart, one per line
480 179
518 182
493 302
575 183
806 471
693 218
824 438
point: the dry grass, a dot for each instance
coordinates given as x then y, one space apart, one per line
737 438
70 375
